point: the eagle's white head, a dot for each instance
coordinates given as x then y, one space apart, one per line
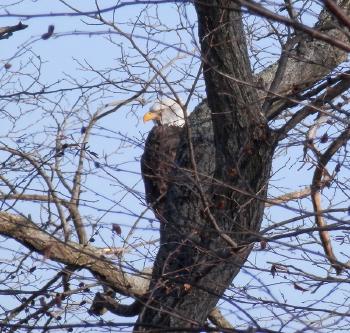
165 112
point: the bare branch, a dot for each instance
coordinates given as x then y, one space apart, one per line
256 8
300 194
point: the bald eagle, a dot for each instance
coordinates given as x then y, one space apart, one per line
160 150
167 146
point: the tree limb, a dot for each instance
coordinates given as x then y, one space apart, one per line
6 32
217 318
299 194
317 184
31 236
315 33
310 60
315 106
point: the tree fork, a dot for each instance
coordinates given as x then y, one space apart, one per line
194 265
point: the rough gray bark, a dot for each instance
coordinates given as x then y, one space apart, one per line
196 263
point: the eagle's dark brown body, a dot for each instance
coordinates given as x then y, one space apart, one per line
159 158
157 162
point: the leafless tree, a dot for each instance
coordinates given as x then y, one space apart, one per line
259 188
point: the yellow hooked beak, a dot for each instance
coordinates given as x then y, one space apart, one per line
151 116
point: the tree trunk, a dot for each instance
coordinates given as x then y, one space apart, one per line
209 220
